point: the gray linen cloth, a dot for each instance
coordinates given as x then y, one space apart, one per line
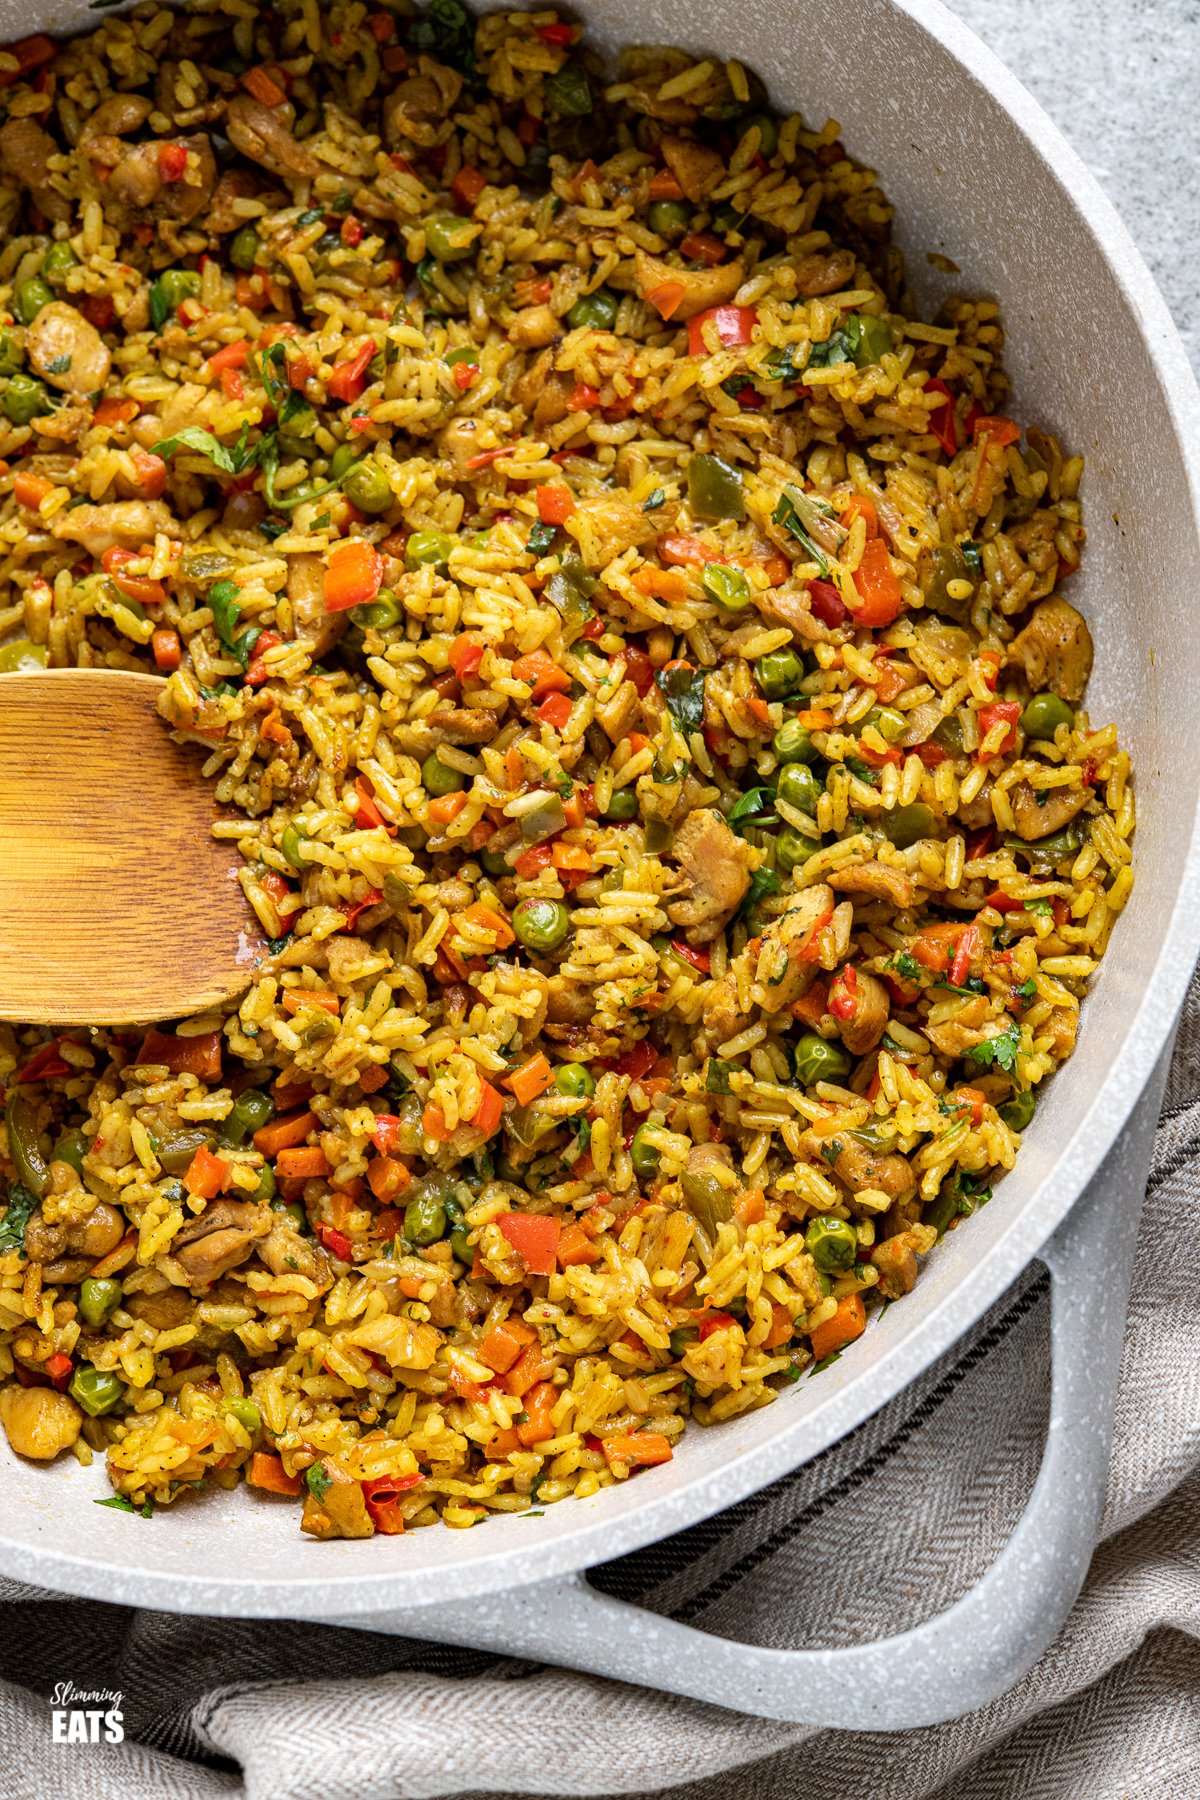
885 1529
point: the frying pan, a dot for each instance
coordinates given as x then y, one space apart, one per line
978 174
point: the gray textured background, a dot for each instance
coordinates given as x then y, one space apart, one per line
1120 79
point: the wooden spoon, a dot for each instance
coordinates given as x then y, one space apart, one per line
117 906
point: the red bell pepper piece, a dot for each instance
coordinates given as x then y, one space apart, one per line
534 1238
734 327
941 421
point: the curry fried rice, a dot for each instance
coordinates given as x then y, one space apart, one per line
632 653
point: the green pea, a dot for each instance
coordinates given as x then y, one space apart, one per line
25 399
250 1112
869 339
71 1148
815 1059
98 1299
622 804
1018 1111
23 658
96 1390
793 743
644 1156
714 489
832 1243
728 587
438 778
292 845
494 862
669 216
541 925
244 248
292 1209
12 357
779 673
58 259
575 1081
906 825
344 457
793 847
29 299
768 132
599 310
449 237
245 1412
178 285
383 611
367 487
798 787
888 722
430 548
424 1219
1043 715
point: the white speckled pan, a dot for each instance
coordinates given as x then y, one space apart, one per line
978 173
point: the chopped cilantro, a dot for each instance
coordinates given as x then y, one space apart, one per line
795 512
906 966
971 556
317 1481
837 348
20 1206
716 1077
824 1362
754 807
1000 1051
1025 992
540 538
683 691
657 499
762 882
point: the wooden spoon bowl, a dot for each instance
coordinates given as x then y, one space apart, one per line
117 905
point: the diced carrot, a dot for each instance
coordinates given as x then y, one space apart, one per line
205 1173
782 1327
113 411
31 490
504 1344
531 1079
267 1472
501 1444
704 247
300 999
540 1402
673 547
665 186
387 1177
750 1208
934 946
168 652
861 506
636 1449
283 1133
573 810
887 680
847 1323
488 919
445 809
542 672
466 654
571 856
433 1124
663 584
813 1005
353 575
260 86
533 1365
367 812
555 504
575 1246
1000 430
151 473
229 356
388 1222
534 1237
200 1056
975 1100
489 1112
467 186
302 1163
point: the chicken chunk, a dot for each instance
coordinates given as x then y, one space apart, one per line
876 881
824 272
606 525
164 1310
413 110
38 1421
533 327
136 181
862 1029
955 1036
66 351
25 152
896 1261
341 1511
860 1165
722 1018
1055 650
129 523
786 963
223 1236
234 185
702 288
119 116
696 168
262 135
790 606
1037 815
285 1252
544 391
713 865
314 627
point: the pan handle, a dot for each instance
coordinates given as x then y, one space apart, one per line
953 1663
